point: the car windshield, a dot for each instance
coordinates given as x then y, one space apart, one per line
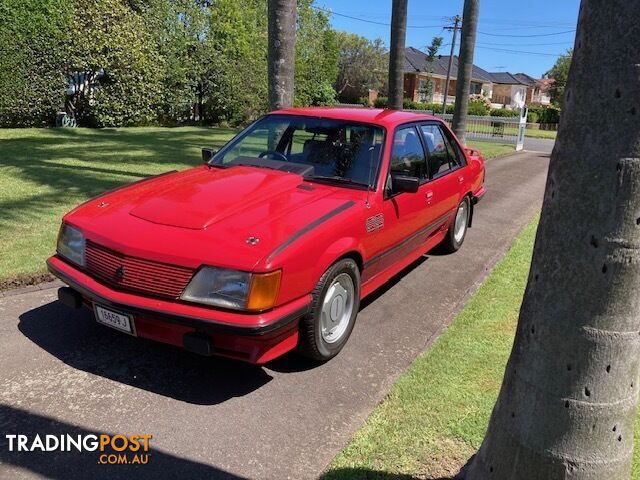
340 151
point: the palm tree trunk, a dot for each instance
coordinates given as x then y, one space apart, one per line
396 54
465 66
282 41
567 406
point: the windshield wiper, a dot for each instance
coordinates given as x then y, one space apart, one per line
336 179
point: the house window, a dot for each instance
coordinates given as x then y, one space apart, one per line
475 88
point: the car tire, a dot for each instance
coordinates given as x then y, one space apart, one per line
458 229
332 314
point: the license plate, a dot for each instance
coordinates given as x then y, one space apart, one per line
116 320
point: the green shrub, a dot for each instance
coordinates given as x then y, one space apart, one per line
479 105
33 41
550 115
504 112
533 116
381 102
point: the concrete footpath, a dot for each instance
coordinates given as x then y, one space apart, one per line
213 418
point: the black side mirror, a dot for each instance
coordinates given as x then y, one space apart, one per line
402 183
207 154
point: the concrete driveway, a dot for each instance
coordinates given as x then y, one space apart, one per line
212 418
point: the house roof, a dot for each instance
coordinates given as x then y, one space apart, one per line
506 78
415 61
524 78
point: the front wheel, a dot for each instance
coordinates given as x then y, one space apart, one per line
336 300
458 228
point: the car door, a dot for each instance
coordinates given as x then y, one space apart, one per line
446 176
405 215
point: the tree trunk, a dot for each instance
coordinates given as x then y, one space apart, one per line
282 42
465 66
567 406
396 54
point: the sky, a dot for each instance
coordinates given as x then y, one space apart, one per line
513 35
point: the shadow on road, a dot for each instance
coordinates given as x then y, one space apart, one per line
76 339
82 465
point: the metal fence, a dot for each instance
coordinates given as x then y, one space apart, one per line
509 130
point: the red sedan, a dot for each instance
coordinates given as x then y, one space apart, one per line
274 241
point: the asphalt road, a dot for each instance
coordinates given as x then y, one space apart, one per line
61 373
539 144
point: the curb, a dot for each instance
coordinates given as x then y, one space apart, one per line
31 288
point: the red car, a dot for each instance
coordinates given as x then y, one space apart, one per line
273 243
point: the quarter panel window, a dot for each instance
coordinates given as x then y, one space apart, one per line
437 148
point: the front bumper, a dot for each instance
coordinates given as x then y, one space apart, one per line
253 337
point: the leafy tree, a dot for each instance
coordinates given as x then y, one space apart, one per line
33 41
568 401
560 72
316 65
108 35
235 61
362 65
426 89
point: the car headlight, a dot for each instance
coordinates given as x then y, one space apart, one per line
233 289
71 244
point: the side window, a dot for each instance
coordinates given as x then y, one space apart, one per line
455 155
407 154
438 149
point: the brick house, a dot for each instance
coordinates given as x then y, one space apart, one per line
417 72
502 88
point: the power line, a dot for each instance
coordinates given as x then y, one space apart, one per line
526 36
331 12
521 52
525 44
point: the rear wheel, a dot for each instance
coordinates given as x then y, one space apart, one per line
336 300
458 228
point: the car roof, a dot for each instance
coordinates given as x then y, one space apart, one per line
377 116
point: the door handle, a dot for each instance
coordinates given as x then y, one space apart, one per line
429 196
460 178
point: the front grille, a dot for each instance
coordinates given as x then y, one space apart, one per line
130 273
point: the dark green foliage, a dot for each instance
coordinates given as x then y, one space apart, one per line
362 66
543 115
33 36
559 73
316 57
166 61
503 112
109 35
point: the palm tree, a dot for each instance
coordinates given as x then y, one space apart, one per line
465 66
396 53
282 42
567 406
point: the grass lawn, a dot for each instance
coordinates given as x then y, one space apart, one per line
436 414
46 172
490 149
530 132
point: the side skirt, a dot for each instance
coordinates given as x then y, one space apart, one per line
375 282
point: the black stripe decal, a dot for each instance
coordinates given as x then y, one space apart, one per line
424 230
310 227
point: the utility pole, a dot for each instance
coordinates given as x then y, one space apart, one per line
455 29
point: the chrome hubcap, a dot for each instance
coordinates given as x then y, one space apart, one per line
461 221
337 308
